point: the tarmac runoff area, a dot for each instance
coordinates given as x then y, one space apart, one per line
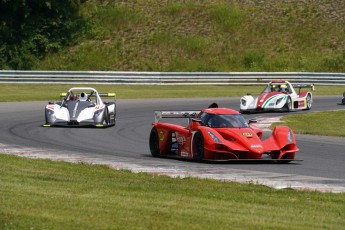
274 180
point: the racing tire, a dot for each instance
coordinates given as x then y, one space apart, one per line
309 102
288 105
46 117
286 158
154 142
106 117
198 147
114 120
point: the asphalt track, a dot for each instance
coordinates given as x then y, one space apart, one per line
126 144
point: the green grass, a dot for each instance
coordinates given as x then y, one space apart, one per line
210 35
330 123
44 92
40 194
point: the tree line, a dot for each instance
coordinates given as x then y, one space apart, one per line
30 29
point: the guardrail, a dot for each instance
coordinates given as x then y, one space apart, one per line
166 78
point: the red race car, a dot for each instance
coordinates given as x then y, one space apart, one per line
219 134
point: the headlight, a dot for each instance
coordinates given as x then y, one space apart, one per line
243 102
289 140
214 138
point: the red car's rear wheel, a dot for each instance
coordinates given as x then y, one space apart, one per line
198 147
154 142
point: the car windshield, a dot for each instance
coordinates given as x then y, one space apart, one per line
276 87
79 95
223 120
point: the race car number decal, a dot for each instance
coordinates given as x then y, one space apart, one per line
181 140
97 107
161 135
184 154
302 103
51 107
247 134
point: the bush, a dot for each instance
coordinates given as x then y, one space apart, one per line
30 29
252 59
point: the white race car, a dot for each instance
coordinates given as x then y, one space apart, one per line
279 95
81 106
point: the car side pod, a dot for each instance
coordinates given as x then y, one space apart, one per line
283 142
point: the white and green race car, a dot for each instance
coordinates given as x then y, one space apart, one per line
279 95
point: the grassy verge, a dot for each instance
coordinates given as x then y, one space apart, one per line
43 92
331 123
40 194
209 35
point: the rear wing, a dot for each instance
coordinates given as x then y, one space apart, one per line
300 86
65 95
159 115
100 94
106 94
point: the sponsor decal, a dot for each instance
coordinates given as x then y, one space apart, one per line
268 101
97 107
302 103
247 134
256 146
184 154
51 107
161 135
181 140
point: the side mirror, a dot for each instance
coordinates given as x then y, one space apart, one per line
253 121
196 120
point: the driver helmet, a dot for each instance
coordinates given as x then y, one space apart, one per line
71 96
83 96
283 88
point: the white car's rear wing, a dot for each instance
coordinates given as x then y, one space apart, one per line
175 114
107 94
300 86
93 95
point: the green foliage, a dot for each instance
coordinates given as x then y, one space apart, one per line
32 29
176 36
332 64
108 20
229 17
193 45
253 59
